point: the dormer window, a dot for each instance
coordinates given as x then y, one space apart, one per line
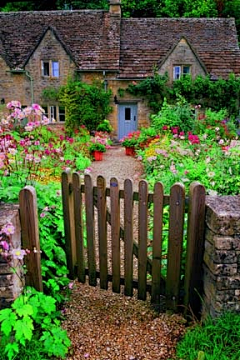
180 70
50 68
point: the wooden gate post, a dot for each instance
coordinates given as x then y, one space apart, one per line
195 247
69 223
30 237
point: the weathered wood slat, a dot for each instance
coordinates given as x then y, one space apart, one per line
77 197
157 243
30 236
69 226
142 239
195 248
102 231
176 222
115 234
90 227
128 237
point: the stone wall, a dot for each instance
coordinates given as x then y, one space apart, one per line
222 255
11 283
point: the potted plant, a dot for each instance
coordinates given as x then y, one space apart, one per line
129 142
97 149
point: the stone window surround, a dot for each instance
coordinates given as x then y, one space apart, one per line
53 72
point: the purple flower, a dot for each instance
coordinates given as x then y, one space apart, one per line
4 245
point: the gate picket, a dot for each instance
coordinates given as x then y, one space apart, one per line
68 216
176 222
128 237
77 200
102 231
142 239
90 227
157 243
195 247
115 234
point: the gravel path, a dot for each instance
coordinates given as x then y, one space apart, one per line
107 326
116 164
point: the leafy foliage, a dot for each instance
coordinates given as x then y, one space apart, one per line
85 104
154 89
219 94
32 317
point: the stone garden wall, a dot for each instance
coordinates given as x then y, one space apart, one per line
11 283
222 255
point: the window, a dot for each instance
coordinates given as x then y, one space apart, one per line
55 113
61 114
180 70
127 113
50 68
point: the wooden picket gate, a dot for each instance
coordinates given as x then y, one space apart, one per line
85 204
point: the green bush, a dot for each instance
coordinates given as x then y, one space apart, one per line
85 104
179 115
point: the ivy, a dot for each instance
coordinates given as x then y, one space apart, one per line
217 95
85 104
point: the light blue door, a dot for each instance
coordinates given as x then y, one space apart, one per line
127 119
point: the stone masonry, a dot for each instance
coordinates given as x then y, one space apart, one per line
11 283
222 255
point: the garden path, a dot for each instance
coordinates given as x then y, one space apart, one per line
107 326
116 164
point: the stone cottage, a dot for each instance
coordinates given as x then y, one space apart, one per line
39 50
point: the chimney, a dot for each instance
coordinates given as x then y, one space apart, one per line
115 7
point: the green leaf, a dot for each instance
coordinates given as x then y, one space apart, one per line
11 350
24 309
24 329
7 318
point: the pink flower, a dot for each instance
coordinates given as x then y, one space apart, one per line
18 254
8 229
175 130
42 215
4 245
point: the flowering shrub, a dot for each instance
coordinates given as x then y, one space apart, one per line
30 150
180 157
100 142
131 139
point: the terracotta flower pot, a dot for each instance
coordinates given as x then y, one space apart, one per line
129 151
98 155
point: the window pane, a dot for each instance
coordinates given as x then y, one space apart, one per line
55 68
46 110
128 114
45 68
61 113
53 113
186 70
176 72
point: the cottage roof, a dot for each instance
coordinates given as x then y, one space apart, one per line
99 40
90 37
146 42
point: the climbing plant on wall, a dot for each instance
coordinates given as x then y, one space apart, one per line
217 94
85 104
